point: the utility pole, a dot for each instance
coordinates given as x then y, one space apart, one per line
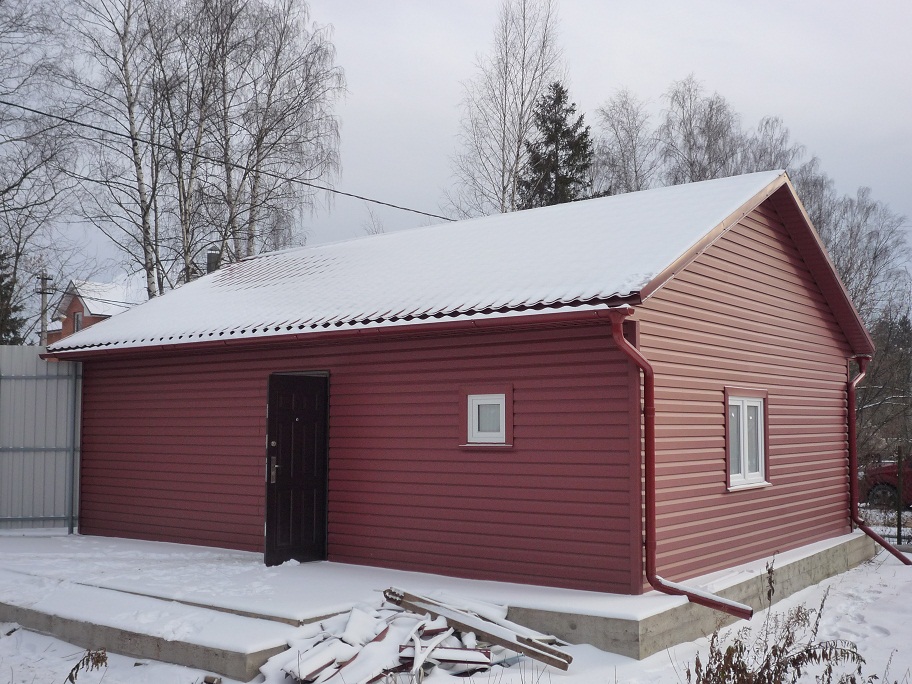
45 287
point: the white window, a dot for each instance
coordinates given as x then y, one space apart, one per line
746 448
487 419
77 322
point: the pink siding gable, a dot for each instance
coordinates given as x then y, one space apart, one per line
746 313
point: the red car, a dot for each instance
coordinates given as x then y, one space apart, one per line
879 484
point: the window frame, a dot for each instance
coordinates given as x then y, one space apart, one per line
747 397
470 437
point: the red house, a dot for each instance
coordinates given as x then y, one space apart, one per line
85 303
476 398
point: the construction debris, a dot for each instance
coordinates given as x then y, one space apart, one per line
537 646
411 635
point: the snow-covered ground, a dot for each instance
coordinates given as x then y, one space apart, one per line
869 605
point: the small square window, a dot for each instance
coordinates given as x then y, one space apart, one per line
746 440
487 418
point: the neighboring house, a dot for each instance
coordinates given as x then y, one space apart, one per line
466 398
85 303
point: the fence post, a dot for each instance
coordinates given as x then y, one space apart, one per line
75 379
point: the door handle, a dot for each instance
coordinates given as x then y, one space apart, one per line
273 467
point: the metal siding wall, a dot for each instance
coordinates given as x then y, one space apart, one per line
174 449
746 313
38 406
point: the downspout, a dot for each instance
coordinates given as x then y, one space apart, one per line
853 463
706 599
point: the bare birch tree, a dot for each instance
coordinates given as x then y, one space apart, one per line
700 136
498 105
220 112
769 147
276 88
627 153
183 83
817 192
373 224
113 79
35 153
868 246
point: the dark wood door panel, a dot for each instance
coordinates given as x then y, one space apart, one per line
296 469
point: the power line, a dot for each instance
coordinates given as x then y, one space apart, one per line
89 297
315 186
101 300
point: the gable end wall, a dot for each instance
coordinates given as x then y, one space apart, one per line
746 313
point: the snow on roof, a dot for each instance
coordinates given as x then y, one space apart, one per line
565 255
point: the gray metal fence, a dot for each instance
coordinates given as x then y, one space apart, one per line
39 439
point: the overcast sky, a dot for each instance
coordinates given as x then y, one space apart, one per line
836 72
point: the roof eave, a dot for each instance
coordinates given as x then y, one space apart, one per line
593 311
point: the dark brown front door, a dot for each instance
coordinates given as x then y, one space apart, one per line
296 459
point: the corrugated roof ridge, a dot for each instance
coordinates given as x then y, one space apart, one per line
405 233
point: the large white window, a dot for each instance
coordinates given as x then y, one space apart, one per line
746 441
487 419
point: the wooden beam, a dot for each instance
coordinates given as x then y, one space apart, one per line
484 629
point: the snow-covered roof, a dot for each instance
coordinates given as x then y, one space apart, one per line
568 255
98 299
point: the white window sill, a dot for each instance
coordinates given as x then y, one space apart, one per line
748 485
485 445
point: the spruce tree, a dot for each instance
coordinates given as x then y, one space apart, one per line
559 155
11 323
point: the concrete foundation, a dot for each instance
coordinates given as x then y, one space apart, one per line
240 666
43 606
686 622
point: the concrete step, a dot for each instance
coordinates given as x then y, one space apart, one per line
141 626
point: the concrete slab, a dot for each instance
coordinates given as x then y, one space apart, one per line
640 638
139 626
229 637
240 666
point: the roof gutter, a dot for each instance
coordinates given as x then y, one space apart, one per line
853 463
336 333
706 599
